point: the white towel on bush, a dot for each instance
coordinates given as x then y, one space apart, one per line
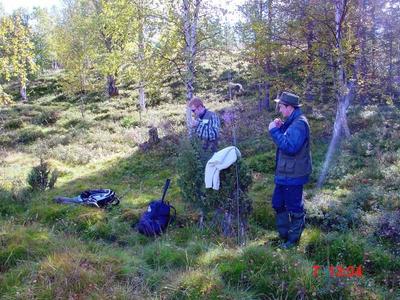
219 161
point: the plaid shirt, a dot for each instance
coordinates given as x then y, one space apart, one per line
208 128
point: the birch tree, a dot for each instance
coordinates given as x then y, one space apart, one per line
113 20
190 18
345 90
16 51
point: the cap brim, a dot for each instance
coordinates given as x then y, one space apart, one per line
279 100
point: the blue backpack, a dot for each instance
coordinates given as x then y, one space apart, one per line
158 216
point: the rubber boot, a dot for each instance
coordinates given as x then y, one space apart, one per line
296 227
282 224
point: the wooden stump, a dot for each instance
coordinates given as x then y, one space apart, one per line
153 136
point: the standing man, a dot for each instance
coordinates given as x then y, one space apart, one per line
206 125
293 168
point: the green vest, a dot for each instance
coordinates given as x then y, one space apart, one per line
299 164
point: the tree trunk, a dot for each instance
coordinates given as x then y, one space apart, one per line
142 95
190 20
259 96
22 90
339 127
268 63
54 65
267 87
309 94
111 86
389 80
342 97
362 38
230 86
344 94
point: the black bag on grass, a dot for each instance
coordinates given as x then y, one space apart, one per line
158 216
99 198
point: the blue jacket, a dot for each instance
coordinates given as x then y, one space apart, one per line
290 138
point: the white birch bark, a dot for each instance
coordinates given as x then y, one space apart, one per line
141 57
344 94
190 20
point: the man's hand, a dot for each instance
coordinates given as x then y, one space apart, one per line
195 123
278 122
271 125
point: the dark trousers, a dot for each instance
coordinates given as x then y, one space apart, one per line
288 198
208 149
211 146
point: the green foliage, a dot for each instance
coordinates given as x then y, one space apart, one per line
14 124
336 248
46 118
164 256
263 214
17 59
349 211
263 270
39 177
388 226
191 173
226 203
129 122
22 243
11 205
77 123
29 135
263 163
4 97
197 285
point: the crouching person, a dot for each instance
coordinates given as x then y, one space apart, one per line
293 168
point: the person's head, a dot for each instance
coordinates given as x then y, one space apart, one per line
196 106
287 103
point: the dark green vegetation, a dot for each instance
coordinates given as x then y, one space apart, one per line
53 251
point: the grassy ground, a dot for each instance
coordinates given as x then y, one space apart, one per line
53 251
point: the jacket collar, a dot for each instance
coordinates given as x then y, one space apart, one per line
295 114
203 114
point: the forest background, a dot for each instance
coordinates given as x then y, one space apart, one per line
82 85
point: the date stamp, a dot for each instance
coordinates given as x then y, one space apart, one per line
339 271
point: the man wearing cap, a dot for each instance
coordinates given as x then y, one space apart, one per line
293 167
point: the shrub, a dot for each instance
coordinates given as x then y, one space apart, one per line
263 163
4 97
327 213
46 117
190 171
226 202
388 226
73 274
29 135
197 285
13 124
335 249
7 140
77 123
39 179
164 256
129 122
73 154
263 215
20 243
331 213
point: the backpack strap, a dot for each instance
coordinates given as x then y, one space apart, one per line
173 217
166 186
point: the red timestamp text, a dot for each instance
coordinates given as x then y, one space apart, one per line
339 271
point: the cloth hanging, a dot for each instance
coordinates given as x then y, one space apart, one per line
219 161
